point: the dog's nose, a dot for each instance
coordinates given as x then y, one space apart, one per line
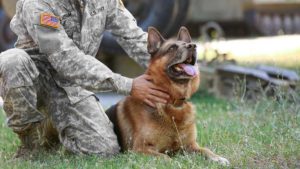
191 46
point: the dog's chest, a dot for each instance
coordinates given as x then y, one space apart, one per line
170 130
170 136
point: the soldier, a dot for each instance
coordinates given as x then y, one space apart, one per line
46 81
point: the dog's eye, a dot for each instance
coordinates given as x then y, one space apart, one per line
172 48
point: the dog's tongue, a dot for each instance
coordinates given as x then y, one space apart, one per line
189 69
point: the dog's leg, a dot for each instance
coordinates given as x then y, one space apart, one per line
207 153
149 151
141 146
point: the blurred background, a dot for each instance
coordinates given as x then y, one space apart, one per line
208 19
243 33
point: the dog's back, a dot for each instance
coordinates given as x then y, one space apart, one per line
112 115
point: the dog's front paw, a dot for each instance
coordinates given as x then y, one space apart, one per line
223 161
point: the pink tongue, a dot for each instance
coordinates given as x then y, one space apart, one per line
189 69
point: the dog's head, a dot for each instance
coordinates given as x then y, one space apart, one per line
174 62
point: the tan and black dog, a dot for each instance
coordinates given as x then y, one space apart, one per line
170 127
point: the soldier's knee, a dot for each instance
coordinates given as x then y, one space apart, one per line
16 68
98 147
13 59
91 144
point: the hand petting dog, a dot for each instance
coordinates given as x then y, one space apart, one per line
144 90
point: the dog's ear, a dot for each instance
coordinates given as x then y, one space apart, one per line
155 40
184 35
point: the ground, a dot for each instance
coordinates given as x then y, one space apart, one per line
263 134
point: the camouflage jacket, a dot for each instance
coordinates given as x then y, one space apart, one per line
71 45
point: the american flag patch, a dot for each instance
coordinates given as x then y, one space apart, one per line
49 20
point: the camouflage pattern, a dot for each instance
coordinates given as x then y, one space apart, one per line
56 69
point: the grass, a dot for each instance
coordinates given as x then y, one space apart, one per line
264 134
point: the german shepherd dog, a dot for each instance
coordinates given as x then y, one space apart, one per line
170 127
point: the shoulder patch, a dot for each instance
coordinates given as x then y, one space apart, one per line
49 20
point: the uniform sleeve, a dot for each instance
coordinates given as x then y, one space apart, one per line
124 28
66 58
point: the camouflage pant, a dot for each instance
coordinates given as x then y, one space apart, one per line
31 96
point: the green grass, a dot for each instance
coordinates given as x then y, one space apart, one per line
263 134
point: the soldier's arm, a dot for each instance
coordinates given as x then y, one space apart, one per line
66 58
124 28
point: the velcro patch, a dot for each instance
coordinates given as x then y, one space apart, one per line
49 20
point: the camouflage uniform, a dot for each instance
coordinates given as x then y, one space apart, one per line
54 69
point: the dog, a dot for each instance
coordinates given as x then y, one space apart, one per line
170 127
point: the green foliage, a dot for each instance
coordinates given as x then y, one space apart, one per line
261 134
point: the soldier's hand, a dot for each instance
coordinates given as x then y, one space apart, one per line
143 89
